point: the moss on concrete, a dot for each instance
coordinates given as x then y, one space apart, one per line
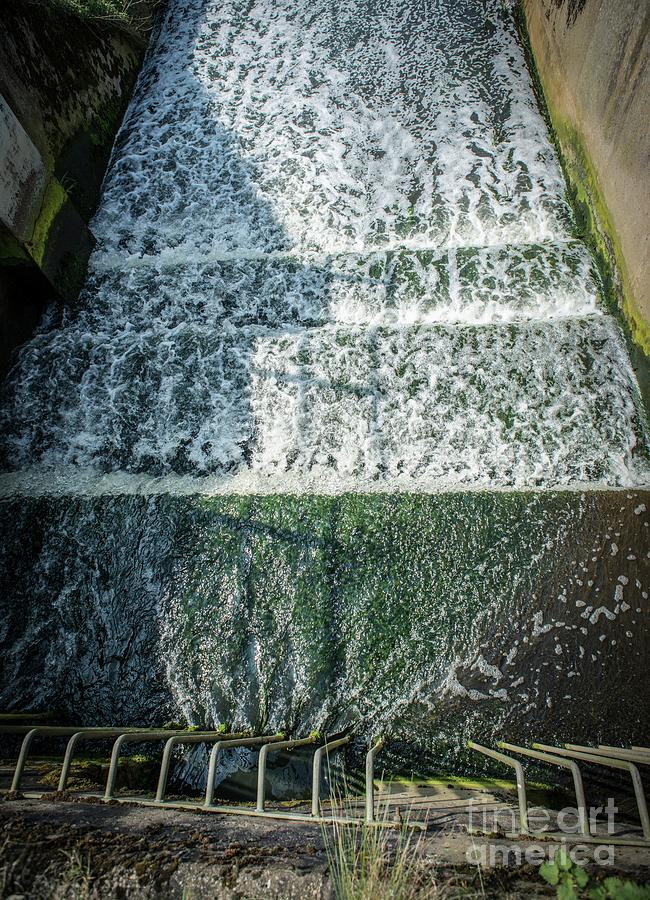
11 252
106 121
593 221
71 114
596 228
51 205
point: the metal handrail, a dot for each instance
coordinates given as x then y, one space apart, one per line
612 763
90 734
316 770
370 776
554 760
519 776
224 745
74 732
29 734
22 756
140 737
192 738
24 729
634 754
261 764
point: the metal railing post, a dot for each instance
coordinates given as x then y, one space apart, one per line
316 771
67 760
30 734
611 763
261 764
554 760
519 776
370 776
138 737
185 739
224 745
90 734
22 759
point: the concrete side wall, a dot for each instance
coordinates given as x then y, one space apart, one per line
67 81
23 176
593 60
36 212
64 85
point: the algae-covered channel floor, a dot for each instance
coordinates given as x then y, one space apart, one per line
439 618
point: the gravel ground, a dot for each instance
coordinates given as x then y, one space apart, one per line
58 849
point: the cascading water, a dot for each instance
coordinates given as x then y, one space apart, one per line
339 431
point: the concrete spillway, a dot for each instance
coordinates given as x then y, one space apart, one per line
339 430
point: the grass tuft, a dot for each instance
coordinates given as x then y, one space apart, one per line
372 862
77 875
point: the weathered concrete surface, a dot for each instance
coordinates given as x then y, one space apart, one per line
593 60
23 176
59 850
68 82
64 86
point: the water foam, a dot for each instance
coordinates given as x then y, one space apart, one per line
323 245
278 126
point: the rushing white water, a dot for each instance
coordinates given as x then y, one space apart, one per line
333 243
333 127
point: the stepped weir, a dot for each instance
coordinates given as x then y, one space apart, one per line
340 432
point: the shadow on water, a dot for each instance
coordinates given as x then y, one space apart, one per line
89 600
159 367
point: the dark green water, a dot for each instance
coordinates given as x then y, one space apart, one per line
428 617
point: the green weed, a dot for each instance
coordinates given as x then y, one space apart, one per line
573 881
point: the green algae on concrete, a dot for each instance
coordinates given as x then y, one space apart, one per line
12 253
594 219
596 228
51 205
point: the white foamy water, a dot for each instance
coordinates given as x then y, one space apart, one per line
333 127
333 249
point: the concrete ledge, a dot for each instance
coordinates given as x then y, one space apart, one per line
37 213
